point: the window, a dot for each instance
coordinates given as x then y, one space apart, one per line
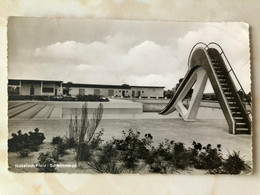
47 90
119 90
81 91
97 92
142 91
110 92
13 90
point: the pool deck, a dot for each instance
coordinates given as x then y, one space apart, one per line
210 127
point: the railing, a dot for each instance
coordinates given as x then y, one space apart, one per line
230 69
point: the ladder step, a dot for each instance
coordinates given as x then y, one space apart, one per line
234 108
223 84
236 113
225 88
242 131
228 94
240 120
240 124
229 98
238 117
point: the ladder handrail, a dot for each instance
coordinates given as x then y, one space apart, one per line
231 69
222 52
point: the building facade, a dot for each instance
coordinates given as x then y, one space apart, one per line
57 88
35 87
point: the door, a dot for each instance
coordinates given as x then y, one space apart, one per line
133 93
32 90
139 93
123 93
55 92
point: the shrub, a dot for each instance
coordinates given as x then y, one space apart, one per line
61 148
133 148
84 153
208 158
70 143
24 153
158 166
55 155
21 141
108 160
108 154
96 141
234 164
112 167
91 98
174 155
46 163
181 156
57 140
36 137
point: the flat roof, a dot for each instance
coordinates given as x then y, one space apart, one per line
147 86
11 81
97 86
124 86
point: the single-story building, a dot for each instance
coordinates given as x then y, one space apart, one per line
113 90
35 87
56 88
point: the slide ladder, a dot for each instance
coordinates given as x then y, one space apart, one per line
210 62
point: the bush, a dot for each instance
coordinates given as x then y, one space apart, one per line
57 140
108 154
36 137
234 164
158 166
133 148
112 167
169 155
96 141
181 156
208 158
131 151
24 153
21 141
61 148
91 98
108 160
46 163
70 143
55 155
84 152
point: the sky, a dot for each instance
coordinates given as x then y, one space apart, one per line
153 53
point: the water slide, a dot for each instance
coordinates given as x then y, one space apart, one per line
210 62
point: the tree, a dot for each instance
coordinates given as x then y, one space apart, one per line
189 94
168 93
68 87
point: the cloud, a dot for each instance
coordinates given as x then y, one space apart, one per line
233 38
119 57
